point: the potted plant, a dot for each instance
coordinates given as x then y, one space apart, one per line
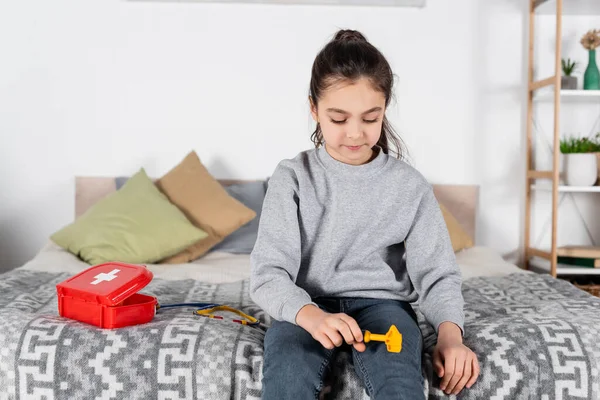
591 78
568 81
580 158
597 139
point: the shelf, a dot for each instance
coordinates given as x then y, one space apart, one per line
579 251
358 3
541 265
570 7
569 95
564 188
543 92
567 251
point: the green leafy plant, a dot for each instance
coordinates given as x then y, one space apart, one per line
568 66
574 144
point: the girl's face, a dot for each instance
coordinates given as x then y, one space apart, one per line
351 116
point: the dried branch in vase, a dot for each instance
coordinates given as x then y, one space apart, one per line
591 39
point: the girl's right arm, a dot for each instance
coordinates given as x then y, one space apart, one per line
275 262
275 259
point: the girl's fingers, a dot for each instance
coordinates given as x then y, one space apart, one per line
344 329
458 373
360 346
334 336
354 328
322 338
438 365
474 373
465 377
449 364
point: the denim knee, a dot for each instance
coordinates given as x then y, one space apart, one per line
294 363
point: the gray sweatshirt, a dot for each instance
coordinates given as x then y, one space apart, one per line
334 229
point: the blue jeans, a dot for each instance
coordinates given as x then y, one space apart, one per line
295 363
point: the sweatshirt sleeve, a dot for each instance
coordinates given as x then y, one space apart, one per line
432 266
275 259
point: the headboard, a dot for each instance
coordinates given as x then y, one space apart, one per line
460 200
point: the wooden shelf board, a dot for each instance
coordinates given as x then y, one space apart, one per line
570 7
579 251
567 251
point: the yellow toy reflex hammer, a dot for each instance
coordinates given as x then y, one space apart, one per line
392 339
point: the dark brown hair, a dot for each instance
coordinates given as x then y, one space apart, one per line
349 57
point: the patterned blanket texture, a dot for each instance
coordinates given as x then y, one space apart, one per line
536 338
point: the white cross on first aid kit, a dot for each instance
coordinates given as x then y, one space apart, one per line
105 277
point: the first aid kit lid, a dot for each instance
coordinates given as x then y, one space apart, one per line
107 284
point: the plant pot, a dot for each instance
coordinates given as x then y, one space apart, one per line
591 77
598 162
581 169
568 83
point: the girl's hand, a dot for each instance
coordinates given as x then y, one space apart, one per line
331 330
454 362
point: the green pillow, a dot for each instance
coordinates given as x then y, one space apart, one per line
137 224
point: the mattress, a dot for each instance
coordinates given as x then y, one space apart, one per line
221 267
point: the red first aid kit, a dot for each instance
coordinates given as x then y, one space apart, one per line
106 296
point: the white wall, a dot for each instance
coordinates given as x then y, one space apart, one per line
104 87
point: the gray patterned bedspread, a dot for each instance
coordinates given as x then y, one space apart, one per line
536 338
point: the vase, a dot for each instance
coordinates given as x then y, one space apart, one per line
591 78
581 169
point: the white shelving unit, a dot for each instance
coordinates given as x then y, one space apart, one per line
570 7
548 89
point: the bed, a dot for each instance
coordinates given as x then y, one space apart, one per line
535 336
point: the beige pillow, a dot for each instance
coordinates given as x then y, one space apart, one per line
459 238
205 203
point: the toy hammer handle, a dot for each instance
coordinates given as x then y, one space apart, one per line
368 336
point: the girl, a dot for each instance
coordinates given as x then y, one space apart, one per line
336 222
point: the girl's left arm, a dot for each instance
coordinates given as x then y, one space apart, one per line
432 266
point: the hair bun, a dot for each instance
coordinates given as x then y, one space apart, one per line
348 35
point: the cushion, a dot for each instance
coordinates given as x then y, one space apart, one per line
206 204
252 195
136 224
120 181
459 238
